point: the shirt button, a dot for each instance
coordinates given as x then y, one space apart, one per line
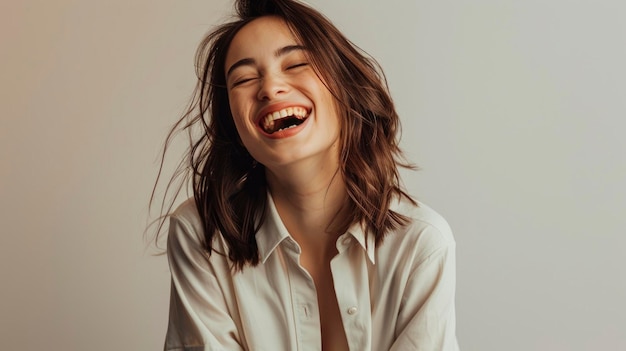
352 310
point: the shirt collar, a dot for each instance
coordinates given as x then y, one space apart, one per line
273 232
365 240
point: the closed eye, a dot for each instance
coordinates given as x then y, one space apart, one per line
242 81
302 64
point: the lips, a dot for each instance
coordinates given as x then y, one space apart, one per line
280 118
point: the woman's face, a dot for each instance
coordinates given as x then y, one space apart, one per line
283 112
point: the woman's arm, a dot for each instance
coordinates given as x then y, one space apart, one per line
426 320
200 313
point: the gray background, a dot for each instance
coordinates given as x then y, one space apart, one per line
514 110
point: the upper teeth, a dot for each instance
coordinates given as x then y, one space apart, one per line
299 112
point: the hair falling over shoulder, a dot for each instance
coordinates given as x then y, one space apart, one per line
229 186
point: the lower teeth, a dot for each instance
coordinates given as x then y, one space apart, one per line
291 126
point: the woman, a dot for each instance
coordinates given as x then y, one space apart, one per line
299 236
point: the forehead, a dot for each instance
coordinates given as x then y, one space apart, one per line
261 36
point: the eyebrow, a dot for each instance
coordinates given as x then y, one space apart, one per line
250 61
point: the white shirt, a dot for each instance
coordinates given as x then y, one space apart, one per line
395 296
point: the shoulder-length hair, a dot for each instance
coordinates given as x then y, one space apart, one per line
229 186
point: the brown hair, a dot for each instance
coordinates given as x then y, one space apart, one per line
229 185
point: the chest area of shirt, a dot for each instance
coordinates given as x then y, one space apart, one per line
302 304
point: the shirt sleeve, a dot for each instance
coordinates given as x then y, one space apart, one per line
199 315
426 321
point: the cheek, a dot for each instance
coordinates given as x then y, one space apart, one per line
233 104
237 110
333 111
244 129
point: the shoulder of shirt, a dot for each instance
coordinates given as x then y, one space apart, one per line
186 240
187 211
186 215
424 221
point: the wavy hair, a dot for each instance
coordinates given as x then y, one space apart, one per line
229 186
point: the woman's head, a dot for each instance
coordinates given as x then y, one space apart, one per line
339 83
365 110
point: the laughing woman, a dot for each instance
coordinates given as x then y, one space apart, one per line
299 236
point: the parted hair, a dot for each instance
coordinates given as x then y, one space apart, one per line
229 185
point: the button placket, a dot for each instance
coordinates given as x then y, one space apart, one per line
350 275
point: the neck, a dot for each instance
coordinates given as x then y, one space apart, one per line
310 200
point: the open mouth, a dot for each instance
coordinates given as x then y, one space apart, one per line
286 118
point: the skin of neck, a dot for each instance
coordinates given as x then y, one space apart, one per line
310 197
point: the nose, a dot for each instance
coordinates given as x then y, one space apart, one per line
272 86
